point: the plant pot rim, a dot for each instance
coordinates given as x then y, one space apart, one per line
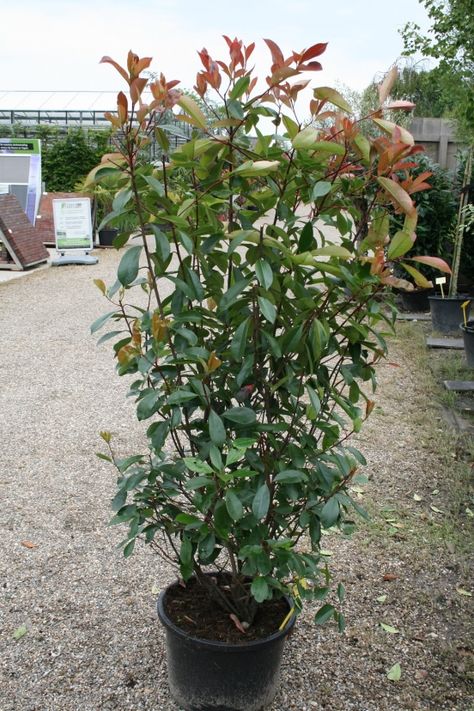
458 297
216 645
467 327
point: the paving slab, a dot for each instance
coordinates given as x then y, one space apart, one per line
459 386
453 343
414 316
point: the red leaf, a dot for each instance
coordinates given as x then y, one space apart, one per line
249 50
277 55
434 262
313 51
121 70
237 623
311 67
390 577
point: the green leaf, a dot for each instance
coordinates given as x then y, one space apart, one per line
320 189
235 109
291 476
240 415
260 589
20 632
314 399
234 505
197 465
128 549
240 87
261 502
239 341
216 429
267 309
395 672
305 138
389 628
231 295
264 273
400 244
186 558
155 184
148 405
306 240
198 482
162 243
417 276
332 250
381 598
330 513
333 96
341 592
324 614
129 264
179 396
190 106
98 323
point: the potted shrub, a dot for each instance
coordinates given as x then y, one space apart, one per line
446 312
436 210
251 346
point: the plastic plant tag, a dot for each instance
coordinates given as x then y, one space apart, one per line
441 281
465 307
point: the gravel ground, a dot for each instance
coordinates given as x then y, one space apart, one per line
92 638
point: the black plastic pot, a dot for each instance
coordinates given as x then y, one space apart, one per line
468 335
446 313
107 236
416 301
215 676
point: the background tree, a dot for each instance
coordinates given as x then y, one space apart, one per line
450 40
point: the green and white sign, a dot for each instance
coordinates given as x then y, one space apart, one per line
72 223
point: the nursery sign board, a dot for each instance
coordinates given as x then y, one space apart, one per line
20 172
72 224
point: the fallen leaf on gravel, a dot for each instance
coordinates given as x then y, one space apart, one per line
28 544
20 632
461 591
436 509
382 598
389 577
420 674
395 672
389 628
469 512
416 497
155 590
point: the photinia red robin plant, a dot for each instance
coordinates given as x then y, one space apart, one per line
251 342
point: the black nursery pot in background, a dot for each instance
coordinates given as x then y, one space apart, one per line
468 335
215 676
416 301
446 313
107 236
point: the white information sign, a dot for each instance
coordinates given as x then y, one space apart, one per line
72 224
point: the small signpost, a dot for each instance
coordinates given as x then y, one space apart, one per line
73 231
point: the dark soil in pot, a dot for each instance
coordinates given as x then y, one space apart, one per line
191 608
206 675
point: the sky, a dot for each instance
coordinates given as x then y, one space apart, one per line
56 45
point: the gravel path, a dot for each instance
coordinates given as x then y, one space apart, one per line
92 639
